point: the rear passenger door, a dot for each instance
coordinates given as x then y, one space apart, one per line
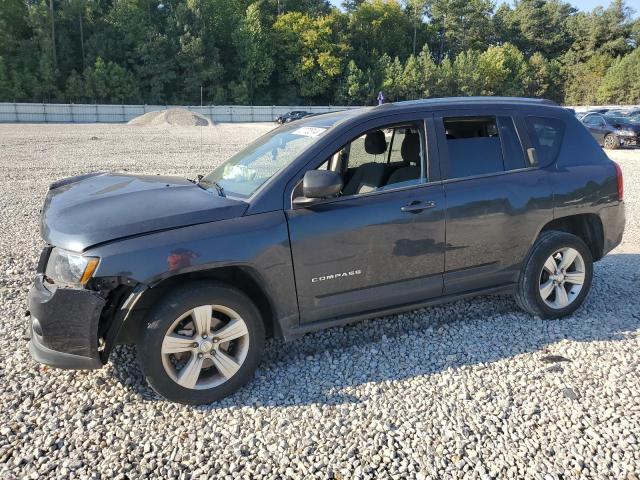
496 197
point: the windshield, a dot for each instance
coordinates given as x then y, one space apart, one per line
248 169
634 118
616 119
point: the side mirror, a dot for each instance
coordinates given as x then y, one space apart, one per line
318 184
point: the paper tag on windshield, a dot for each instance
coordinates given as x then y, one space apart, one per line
308 131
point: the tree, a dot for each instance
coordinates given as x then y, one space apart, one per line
380 26
501 70
253 46
74 88
356 86
537 26
467 73
306 51
446 84
309 51
584 79
459 25
392 83
109 82
621 84
542 78
411 80
607 31
428 72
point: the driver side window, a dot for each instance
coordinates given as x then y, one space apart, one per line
381 159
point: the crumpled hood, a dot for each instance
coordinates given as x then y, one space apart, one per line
95 208
628 126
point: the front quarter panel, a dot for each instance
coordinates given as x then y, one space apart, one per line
258 242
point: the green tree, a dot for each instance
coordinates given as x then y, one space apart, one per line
379 26
583 79
428 72
74 88
501 70
537 26
392 83
621 84
459 25
467 74
446 82
542 78
254 53
356 85
310 51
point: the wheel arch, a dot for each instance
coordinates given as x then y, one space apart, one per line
587 226
241 277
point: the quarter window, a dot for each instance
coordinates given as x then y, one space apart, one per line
546 135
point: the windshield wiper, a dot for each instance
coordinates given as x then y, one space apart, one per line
218 188
202 183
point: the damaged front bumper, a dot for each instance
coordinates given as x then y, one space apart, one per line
63 325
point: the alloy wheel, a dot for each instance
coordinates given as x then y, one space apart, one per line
562 277
205 347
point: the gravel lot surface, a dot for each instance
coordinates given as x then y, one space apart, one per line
474 389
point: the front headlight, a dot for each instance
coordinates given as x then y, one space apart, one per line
70 268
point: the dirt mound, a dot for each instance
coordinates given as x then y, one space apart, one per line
178 117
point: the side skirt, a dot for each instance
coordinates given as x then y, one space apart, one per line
297 332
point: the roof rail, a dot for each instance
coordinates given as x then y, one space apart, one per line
488 99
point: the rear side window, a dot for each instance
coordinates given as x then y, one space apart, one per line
546 135
482 145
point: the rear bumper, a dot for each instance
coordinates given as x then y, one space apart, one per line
63 324
613 221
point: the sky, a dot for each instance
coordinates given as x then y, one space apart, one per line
585 5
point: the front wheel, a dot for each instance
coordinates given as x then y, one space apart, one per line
556 275
611 142
201 344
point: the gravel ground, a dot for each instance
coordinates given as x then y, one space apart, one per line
473 389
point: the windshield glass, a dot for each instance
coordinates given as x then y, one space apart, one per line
248 169
634 118
617 119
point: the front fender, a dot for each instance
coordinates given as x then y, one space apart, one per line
259 242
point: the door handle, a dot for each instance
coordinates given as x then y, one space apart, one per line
417 207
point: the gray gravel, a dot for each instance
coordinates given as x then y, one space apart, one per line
474 389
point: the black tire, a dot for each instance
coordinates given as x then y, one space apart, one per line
611 142
175 305
528 296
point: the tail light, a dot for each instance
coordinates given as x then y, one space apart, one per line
620 183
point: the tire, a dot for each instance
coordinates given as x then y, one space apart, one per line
219 366
536 279
611 142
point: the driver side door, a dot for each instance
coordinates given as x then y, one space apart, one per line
381 243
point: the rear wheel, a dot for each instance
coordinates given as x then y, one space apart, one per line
556 276
611 142
201 343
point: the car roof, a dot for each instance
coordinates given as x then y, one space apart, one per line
341 116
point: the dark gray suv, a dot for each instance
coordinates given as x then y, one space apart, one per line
328 220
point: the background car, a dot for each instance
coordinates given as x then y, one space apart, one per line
612 131
291 116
